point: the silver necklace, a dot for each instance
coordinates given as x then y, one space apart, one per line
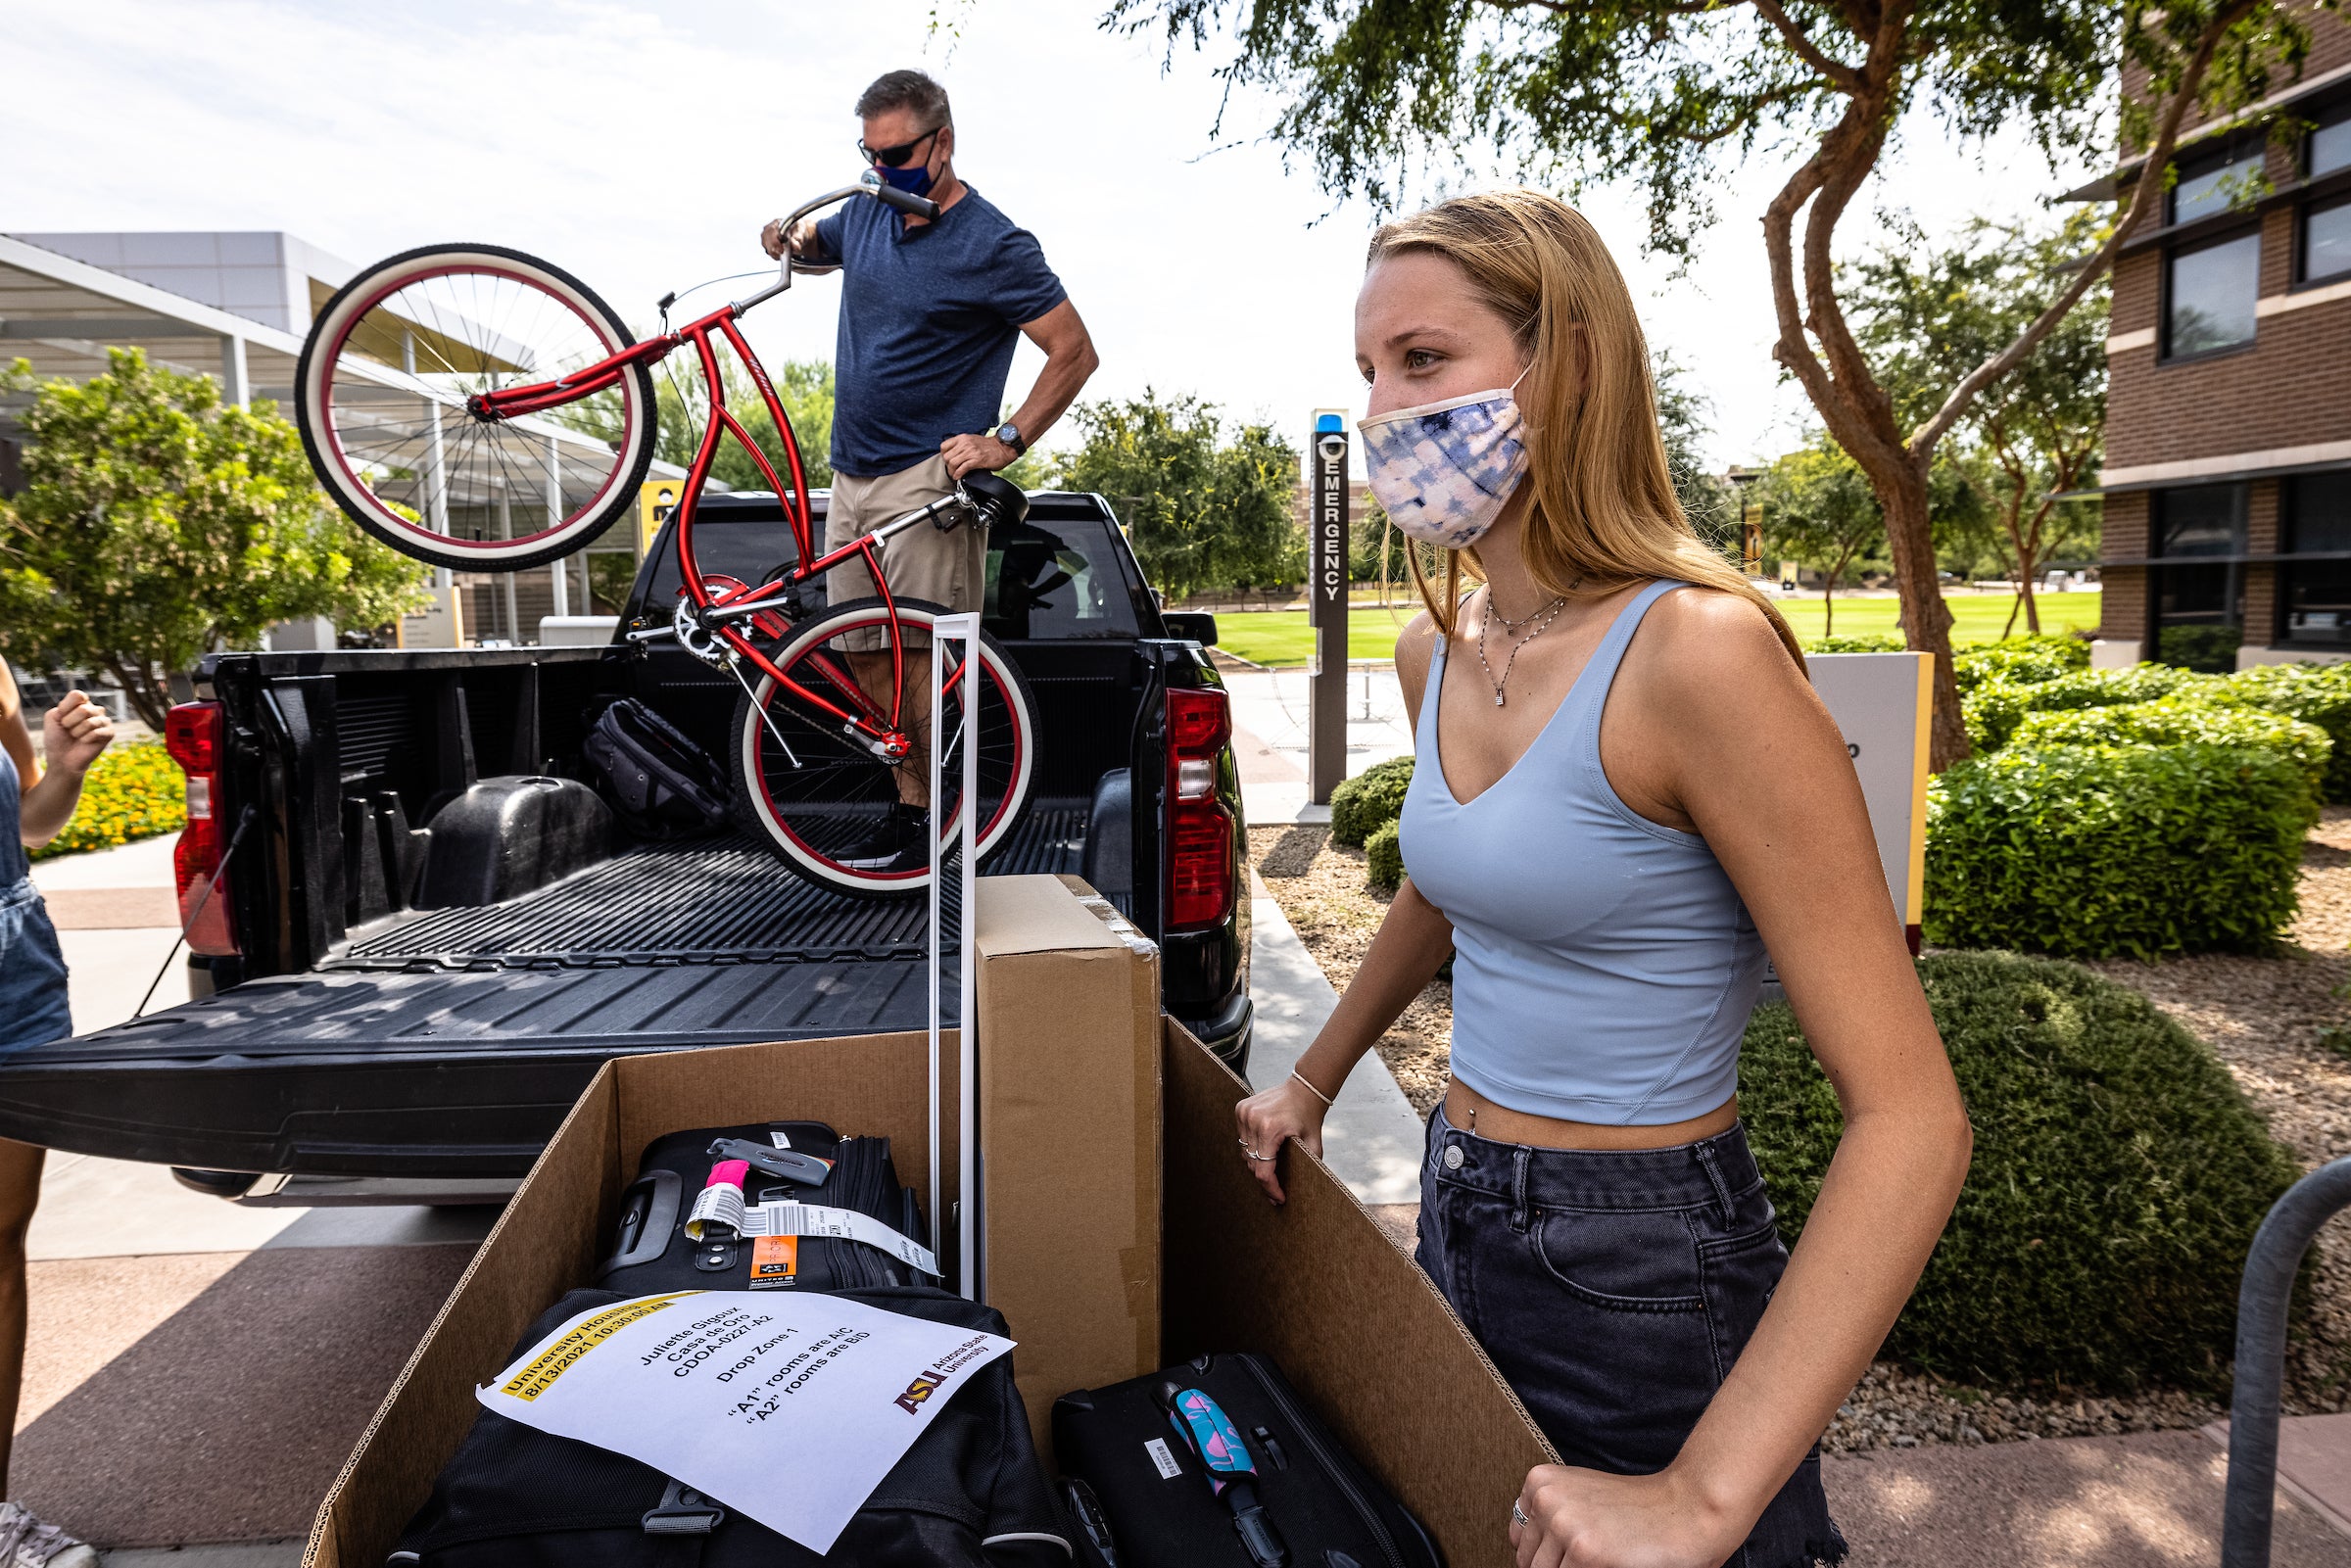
1542 619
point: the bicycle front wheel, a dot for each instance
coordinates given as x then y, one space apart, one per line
381 398
833 810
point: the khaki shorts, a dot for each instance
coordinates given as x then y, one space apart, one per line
949 569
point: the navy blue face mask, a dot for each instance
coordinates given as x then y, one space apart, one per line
914 179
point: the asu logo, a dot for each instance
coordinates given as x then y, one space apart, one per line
921 1389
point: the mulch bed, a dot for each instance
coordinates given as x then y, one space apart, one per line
2282 1024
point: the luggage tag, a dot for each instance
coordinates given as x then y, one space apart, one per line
717 1216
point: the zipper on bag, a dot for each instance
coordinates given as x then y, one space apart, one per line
1303 1425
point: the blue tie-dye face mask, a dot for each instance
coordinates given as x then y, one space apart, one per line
1445 470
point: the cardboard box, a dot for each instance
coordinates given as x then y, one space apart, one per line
1315 1284
1070 1135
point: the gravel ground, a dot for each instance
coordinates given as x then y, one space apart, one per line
2268 1018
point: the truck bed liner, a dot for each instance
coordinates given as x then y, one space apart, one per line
727 900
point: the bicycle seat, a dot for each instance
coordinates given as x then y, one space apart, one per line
999 501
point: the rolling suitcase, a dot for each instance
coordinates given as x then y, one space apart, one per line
652 1250
969 1493
1220 1462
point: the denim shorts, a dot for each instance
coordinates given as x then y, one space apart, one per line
32 972
1614 1291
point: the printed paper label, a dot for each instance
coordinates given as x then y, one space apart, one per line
811 1219
789 1409
1161 1457
775 1260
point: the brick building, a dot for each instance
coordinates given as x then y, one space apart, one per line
2228 468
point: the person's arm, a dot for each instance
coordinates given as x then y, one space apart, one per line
1069 358
73 734
1756 765
1405 953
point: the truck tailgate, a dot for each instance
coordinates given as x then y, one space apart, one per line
450 1043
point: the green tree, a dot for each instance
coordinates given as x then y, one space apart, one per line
156 523
1930 316
1819 511
1663 93
804 387
1686 420
1207 507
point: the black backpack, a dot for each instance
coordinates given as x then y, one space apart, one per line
968 1495
657 782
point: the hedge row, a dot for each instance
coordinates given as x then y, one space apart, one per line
1360 804
2118 1178
2021 658
1998 706
2177 721
1383 857
2099 850
2314 693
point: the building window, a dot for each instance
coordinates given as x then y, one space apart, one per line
2326 241
2198 604
2209 296
2216 183
2317 594
2331 142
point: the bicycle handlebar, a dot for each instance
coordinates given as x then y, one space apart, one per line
889 195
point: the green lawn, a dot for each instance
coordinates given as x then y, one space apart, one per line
1282 636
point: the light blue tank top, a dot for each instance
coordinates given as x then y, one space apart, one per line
1604 965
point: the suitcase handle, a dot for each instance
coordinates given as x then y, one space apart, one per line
651 1238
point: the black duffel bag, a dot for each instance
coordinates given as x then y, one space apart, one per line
968 1495
1139 1494
657 782
652 1252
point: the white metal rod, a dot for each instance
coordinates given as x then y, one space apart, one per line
966 928
939 1217
561 567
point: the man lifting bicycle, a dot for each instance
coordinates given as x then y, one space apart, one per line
930 313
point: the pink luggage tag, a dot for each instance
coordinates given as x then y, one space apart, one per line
718 1210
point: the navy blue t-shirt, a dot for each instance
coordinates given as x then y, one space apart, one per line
929 319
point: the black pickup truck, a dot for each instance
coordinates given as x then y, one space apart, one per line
340 1029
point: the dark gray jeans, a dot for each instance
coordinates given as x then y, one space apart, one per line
1614 1291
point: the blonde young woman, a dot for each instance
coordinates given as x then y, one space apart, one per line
1626 794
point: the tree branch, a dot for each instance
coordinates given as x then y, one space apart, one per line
2147 193
1845 77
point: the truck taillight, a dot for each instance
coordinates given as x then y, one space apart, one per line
192 735
1200 831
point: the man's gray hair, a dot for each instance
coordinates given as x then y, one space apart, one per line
906 89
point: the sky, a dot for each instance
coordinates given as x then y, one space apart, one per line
639 144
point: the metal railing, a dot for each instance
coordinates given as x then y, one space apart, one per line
2261 1304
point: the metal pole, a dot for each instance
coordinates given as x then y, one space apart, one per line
506 530
2261 1303
561 567
436 469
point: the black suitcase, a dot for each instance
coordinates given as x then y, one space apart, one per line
652 1252
1140 1491
969 1493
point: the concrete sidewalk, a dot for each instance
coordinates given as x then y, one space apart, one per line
196 1372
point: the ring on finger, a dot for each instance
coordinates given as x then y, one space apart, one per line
1518 1514
1251 1153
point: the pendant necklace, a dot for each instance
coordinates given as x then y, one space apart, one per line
1540 618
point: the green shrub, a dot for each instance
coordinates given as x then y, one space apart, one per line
2118 1178
134 790
2211 649
1867 643
2025 660
2177 721
1372 797
2099 851
1383 854
2314 693
1996 706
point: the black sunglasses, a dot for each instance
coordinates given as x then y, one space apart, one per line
894 157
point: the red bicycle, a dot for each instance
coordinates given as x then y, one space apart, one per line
482 410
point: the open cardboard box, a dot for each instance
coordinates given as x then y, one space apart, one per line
1316 1284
